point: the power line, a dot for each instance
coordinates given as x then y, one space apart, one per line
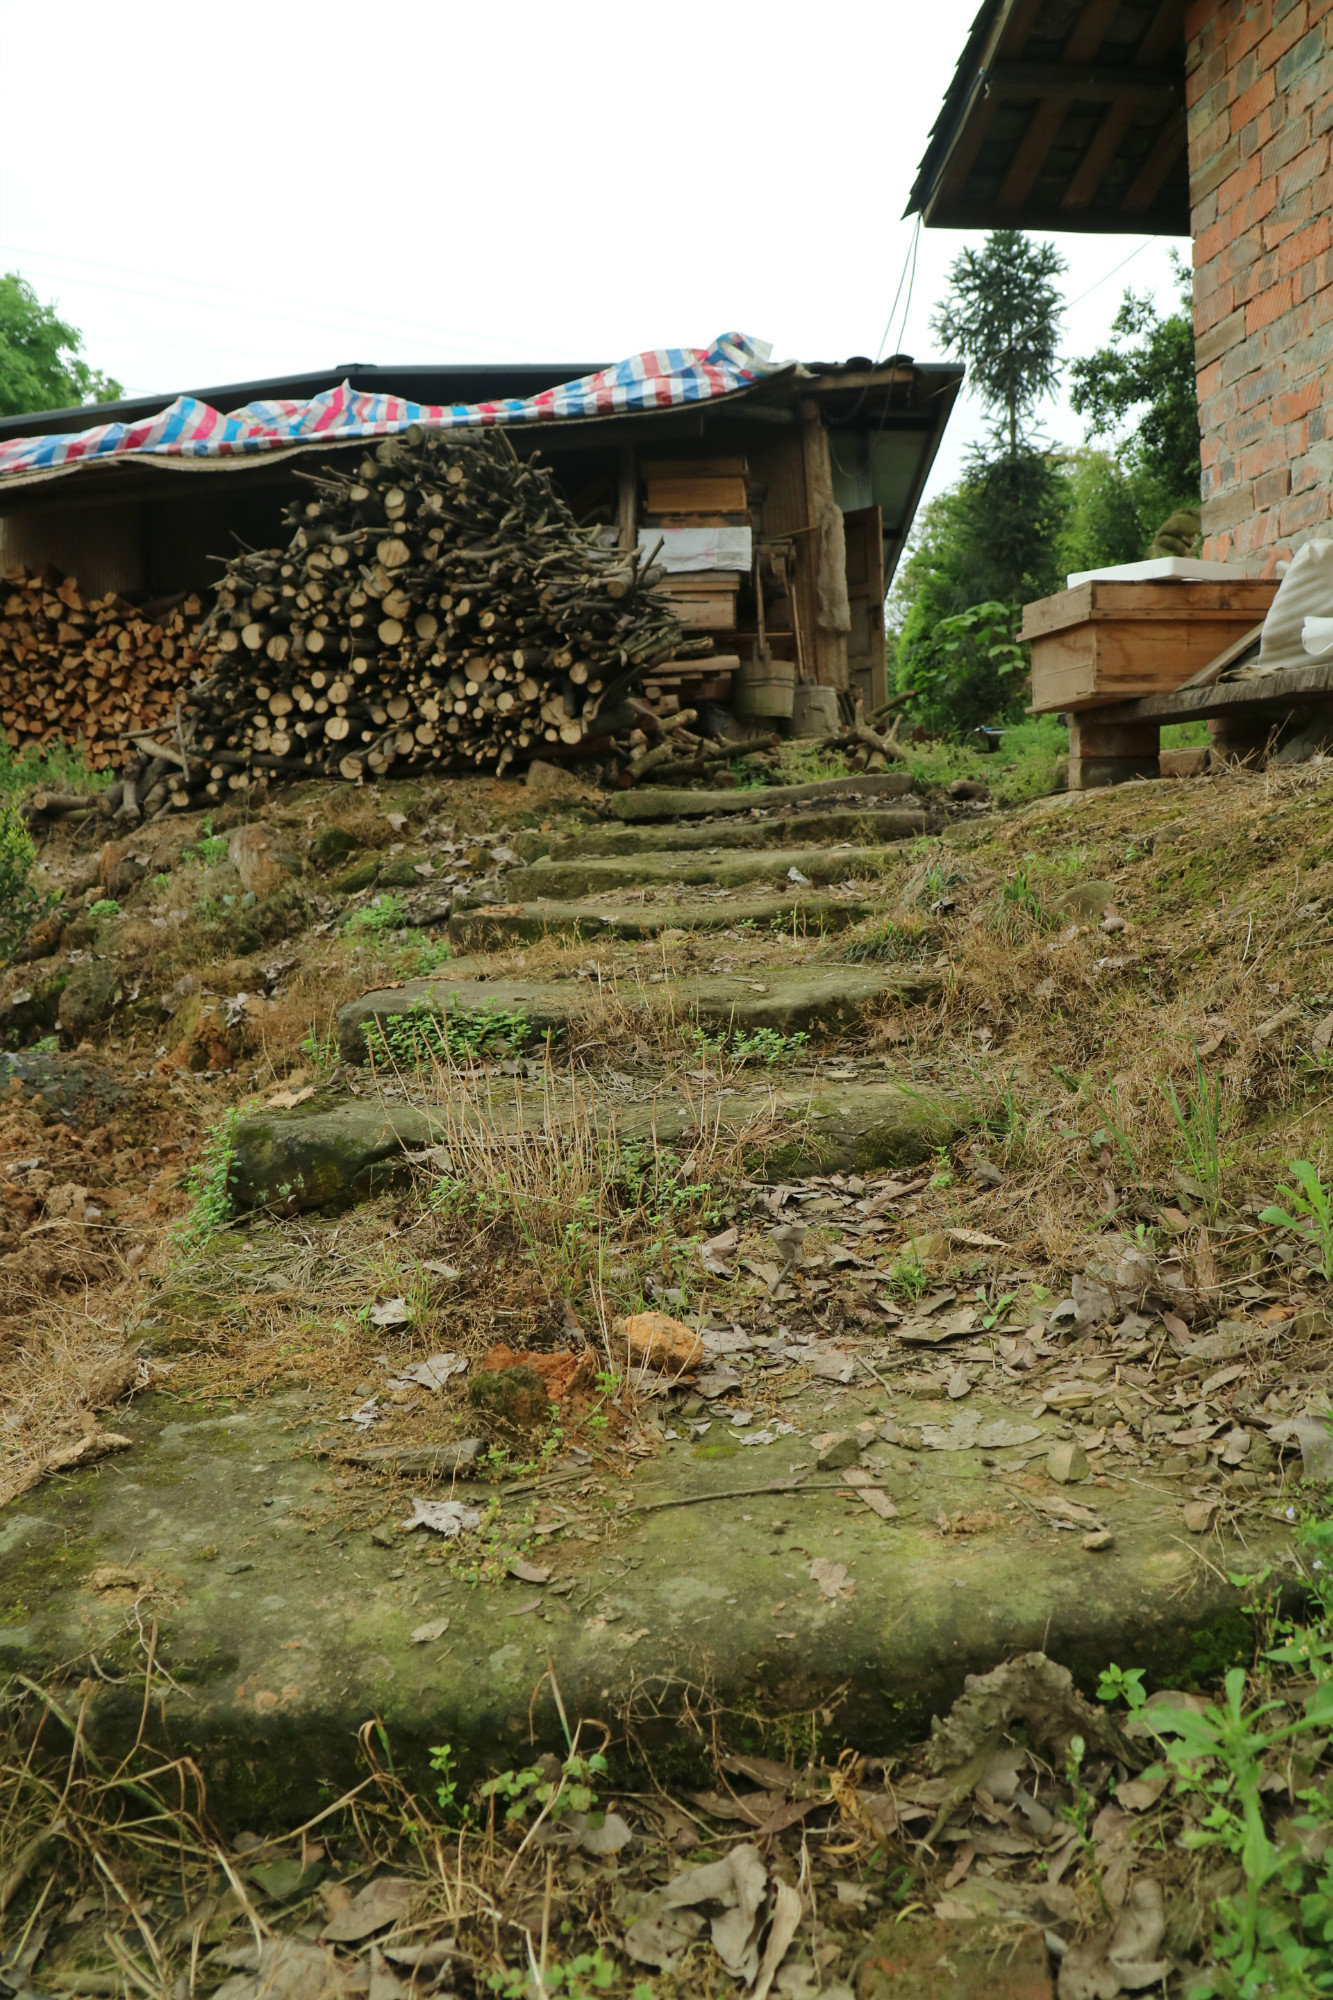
347 323
1071 303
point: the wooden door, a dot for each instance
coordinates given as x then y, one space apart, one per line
866 670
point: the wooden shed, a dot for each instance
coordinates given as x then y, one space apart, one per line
782 508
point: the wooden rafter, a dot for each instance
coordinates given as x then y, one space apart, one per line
1090 30
1043 128
1091 170
1148 88
1165 150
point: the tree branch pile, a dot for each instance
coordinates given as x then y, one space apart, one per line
437 608
94 669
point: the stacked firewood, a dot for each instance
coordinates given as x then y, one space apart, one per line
436 607
91 669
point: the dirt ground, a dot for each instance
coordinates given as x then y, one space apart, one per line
1137 999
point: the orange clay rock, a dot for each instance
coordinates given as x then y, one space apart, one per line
561 1372
657 1340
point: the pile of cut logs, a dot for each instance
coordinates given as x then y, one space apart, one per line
94 669
435 608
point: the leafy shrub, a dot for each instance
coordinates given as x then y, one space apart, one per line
22 905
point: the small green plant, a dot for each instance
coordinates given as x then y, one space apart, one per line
321 1051
22 906
943 1174
1019 896
907 1276
423 955
209 1185
446 1792
1221 1757
1081 1810
1122 1684
47 1046
1309 1209
591 1972
994 1314
106 906
765 1045
422 1035
385 912
571 1790
209 848
1199 1119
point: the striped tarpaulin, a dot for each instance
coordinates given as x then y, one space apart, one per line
660 378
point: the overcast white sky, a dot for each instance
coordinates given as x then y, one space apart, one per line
222 190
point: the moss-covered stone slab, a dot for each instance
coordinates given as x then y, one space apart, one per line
292 1160
289 1161
604 874
283 1626
495 925
663 802
788 999
866 826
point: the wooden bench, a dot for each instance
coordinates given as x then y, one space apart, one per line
1109 745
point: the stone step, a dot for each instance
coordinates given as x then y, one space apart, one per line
603 874
213 1507
494 925
788 999
289 1161
662 802
866 826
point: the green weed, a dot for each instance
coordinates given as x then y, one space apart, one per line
591 1972
209 1185
1122 1684
59 767
385 912
1029 764
422 1035
209 849
105 906
1309 1210
22 906
1019 897
1221 1758
1199 1121
760 1045
320 1051
907 1276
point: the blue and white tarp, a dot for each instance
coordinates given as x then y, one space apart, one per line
660 378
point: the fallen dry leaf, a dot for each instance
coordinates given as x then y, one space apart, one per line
1205 1264
831 1578
426 1635
443 1517
379 1904
874 1496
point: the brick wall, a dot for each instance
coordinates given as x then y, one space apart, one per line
1260 94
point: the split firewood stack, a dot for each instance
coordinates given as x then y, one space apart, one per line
94 669
437 607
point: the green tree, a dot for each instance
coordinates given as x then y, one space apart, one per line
1112 511
41 356
1141 390
1002 315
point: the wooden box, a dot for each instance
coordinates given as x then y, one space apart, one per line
704 601
1107 642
